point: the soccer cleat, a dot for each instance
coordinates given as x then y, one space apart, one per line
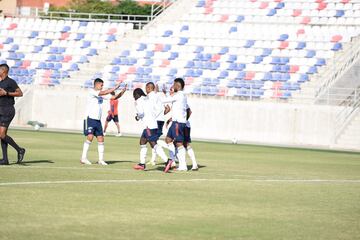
168 165
85 161
173 165
102 162
21 155
139 166
118 135
4 162
195 168
104 134
181 169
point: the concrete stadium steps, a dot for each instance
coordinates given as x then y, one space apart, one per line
350 139
172 13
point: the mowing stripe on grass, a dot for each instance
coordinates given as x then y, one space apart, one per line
179 180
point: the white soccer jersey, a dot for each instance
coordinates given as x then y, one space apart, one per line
146 112
161 96
179 106
94 104
157 105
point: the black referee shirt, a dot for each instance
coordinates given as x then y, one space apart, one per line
9 85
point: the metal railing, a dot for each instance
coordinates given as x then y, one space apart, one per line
158 8
351 106
339 66
139 21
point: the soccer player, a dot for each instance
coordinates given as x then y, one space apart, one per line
187 140
113 112
147 112
175 135
156 97
8 90
92 124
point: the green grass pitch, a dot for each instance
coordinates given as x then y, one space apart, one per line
241 192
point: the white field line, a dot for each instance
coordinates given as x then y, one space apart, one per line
102 168
179 180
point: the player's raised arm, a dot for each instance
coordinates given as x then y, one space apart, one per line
106 92
120 93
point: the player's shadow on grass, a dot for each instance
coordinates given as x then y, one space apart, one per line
161 167
25 163
116 162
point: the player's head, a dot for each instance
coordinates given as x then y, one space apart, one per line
150 86
179 84
138 92
98 84
113 93
4 71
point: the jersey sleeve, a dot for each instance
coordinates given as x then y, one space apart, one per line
13 85
139 106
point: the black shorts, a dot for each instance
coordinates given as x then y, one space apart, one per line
115 118
7 114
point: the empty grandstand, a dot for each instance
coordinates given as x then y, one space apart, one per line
286 56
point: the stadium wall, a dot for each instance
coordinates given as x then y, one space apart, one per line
213 119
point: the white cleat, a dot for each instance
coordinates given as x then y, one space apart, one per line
195 168
104 133
182 169
118 135
173 165
85 161
103 163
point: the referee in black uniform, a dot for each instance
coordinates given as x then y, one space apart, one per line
8 90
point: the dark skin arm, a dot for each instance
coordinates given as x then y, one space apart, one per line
17 93
167 109
168 122
188 113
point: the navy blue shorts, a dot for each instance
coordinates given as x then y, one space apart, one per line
150 134
176 131
160 128
110 117
187 137
93 126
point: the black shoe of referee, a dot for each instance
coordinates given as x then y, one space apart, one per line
4 162
21 154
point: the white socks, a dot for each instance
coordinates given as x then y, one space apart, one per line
153 155
191 154
181 156
85 149
172 153
101 148
160 151
143 151
163 144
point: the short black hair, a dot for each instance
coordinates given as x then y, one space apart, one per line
181 81
4 65
151 84
113 93
98 80
138 92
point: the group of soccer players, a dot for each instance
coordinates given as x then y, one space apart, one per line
151 109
